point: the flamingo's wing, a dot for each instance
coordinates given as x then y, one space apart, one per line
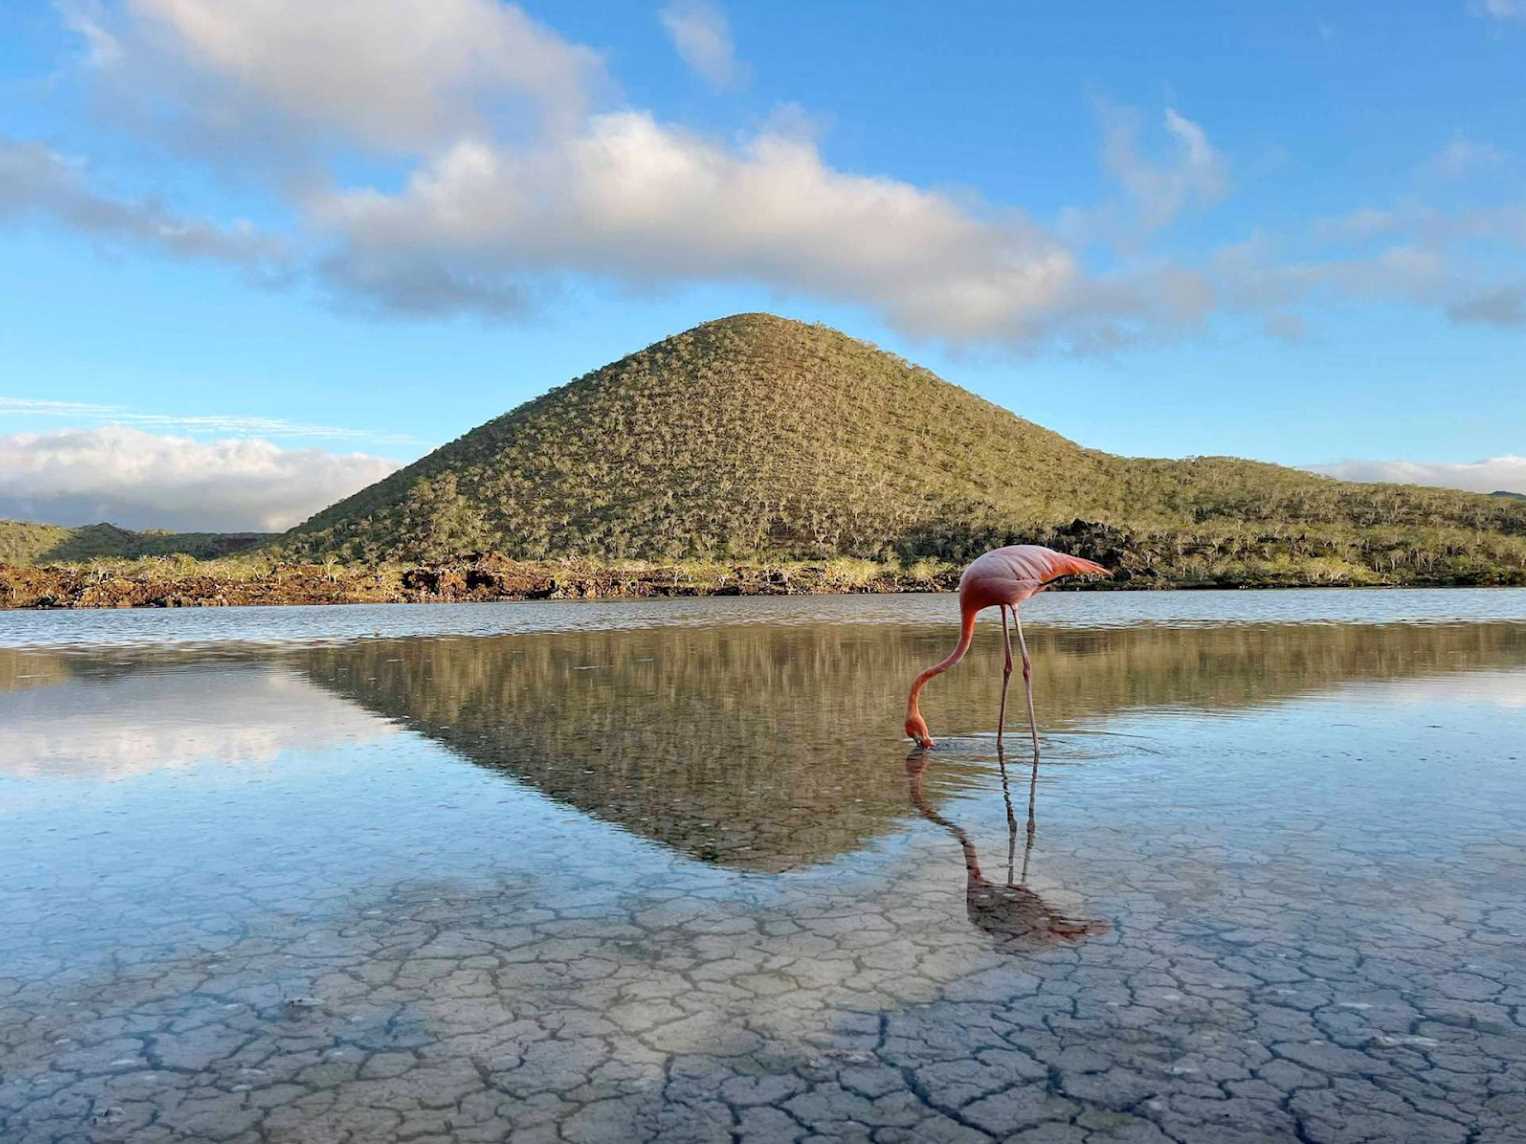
1028 567
1045 564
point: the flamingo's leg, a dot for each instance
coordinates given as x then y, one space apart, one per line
1006 676
1033 726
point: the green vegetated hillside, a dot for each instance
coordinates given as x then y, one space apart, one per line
23 542
755 437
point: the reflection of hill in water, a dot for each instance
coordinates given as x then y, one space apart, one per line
772 747
760 748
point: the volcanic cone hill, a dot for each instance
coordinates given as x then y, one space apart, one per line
756 437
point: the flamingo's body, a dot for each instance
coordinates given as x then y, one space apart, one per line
1002 578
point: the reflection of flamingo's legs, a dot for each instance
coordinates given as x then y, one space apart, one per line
1033 726
1006 675
1033 792
1006 797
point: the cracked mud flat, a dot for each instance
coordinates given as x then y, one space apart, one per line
647 881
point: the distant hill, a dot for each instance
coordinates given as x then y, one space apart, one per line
1509 495
23 542
758 437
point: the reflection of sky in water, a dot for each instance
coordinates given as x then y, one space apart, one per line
337 817
1321 813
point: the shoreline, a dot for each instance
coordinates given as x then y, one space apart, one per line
172 583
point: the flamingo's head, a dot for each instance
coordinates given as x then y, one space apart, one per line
916 728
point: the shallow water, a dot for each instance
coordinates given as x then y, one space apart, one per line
667 870
158 627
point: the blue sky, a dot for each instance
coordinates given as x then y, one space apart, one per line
259 253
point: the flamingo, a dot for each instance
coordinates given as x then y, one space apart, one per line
1003 578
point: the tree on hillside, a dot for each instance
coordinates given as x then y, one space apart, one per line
439 522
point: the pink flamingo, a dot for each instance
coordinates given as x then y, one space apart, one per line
1004 578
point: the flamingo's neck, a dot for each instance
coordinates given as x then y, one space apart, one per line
966 634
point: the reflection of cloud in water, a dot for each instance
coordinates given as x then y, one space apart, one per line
144 722
1490 688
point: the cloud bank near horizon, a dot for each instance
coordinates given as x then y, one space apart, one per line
142 480
1493 474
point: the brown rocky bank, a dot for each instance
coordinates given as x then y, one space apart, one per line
486 578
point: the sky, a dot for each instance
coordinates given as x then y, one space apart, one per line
259 254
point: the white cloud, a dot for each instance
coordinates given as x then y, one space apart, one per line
86 19
496 209
511 184
641 201
1492 225
1256 277
36 181
1162 188
1505 306
1462 157
400 75
234 424
1503 9
1358 225
1284 326
702 37
1495 474
141 480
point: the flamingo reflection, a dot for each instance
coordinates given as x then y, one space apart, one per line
1013 914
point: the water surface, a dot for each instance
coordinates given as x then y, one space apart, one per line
669 871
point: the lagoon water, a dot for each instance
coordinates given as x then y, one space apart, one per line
668 871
